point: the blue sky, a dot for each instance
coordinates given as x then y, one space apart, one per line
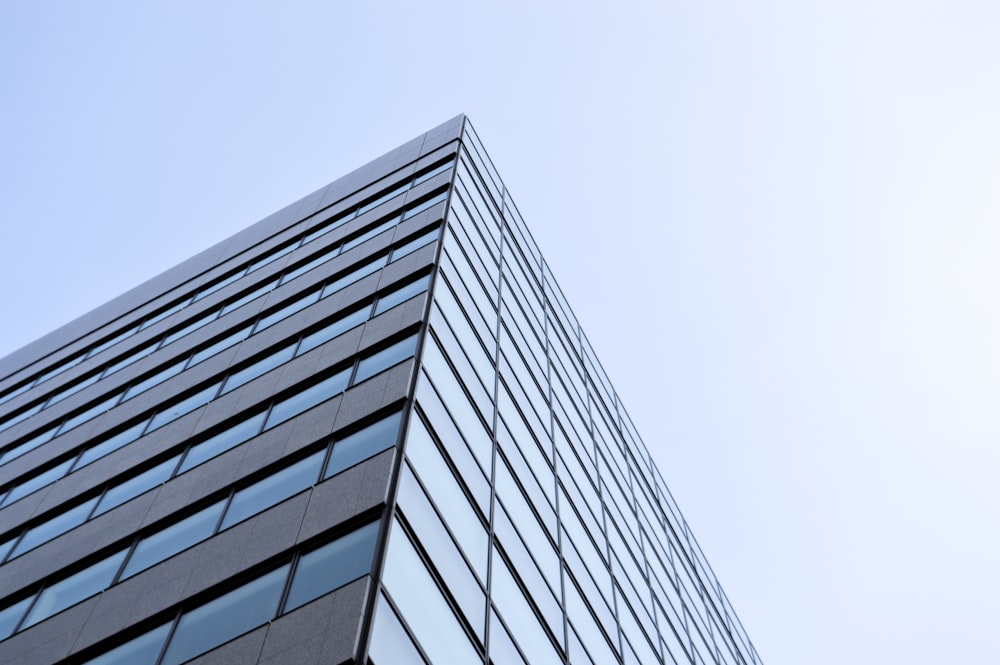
777 223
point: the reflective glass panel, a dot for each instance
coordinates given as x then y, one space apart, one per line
402 294
184 407
273 489
419 599
385 358
39 481
167 542
56 526
341 325
222 344
308 398
11 615
70 591
223 441
110 445
155 379
287 310
361 445
332 566
262 366
143 650
390 645
133 487
224 618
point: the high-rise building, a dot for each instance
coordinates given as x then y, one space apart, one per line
366 429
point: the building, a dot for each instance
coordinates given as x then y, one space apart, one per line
365 429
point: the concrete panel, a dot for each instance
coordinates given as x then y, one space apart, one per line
348 494
323 631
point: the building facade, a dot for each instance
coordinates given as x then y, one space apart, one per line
366 429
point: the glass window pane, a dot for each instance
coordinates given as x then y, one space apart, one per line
72 389
155 379
520 617
402 294
10 616
329 226
165 543
189 328
363 444
385 358
222 619
287 310
419 599
104 345
353 276
308 398
424 177
184 407
351 244
56 526
274 489
332 566
223 441
21 417
133 487
341 325
143 650
222 283
394 192
253 295
448 496
131 358
222 344
309 265
442 552
390 645
262 366
90 413
156 318
273 256
429 203
70 591
415 244
39 481
110 445
28 445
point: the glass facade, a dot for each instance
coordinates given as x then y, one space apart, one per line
367 429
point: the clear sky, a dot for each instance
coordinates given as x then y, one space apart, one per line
777 223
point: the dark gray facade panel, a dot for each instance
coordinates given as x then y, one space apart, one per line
323 632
